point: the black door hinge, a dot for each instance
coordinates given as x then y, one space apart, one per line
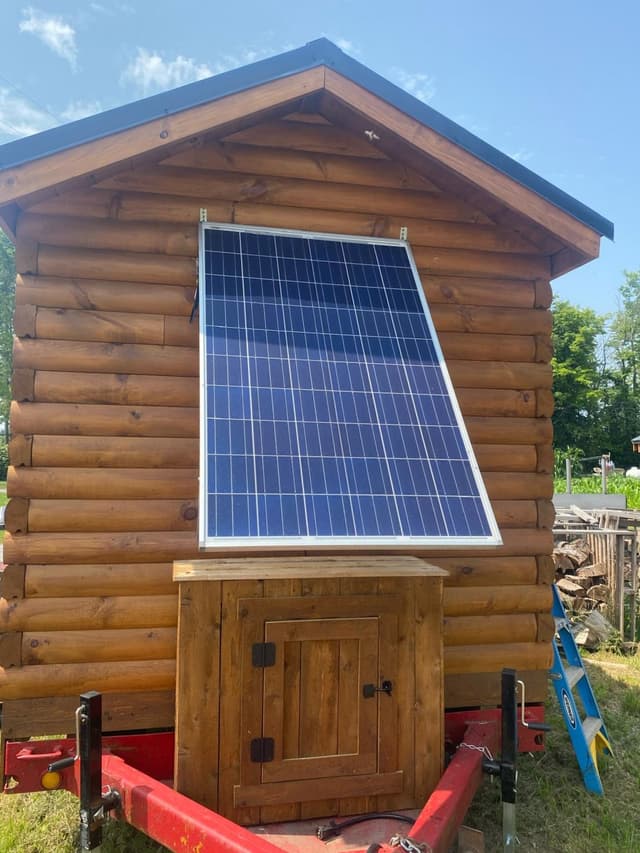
262 749
263 654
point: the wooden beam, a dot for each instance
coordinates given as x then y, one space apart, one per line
83 159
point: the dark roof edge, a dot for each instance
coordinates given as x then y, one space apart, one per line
315 53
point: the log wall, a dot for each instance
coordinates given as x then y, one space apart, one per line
104 452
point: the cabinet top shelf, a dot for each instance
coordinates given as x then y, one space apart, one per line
274 568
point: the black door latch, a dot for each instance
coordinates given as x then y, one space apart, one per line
370 690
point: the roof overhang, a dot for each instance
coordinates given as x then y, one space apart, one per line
348 92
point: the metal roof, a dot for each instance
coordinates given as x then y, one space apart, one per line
314 54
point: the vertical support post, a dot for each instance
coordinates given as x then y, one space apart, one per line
508 758
604 459
634 583
90 752
619 587
567 463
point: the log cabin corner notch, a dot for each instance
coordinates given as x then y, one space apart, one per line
104 452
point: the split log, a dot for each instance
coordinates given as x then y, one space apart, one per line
111 516
497 374
31 682
121 266
90 483
578 551
118 388
570 588
87 614
47 581
302 197
86 419
52 647
134 297
469 630
110 452
599 570
134 359
489 571
509 430
474 601
491 658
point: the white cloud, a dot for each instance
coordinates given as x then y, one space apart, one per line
421 86
53 31
149 72
20 118
80 109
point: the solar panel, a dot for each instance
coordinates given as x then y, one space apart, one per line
328 414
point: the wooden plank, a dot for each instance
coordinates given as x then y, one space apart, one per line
320 138
197 693
45 647
496 183
88 580
120 712
89 614
484 690
91 156
429 675
39 682
267 568
317 790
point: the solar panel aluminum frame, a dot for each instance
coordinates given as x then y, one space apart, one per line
207 542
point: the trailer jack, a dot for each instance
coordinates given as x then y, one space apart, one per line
94 805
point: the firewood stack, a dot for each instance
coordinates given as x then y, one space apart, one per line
582 583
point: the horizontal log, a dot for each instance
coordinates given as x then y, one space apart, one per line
89 419
31 682
88 451
86 233
16 515
546 513
289 163
85 614
12 579
475 601
546 569
51 647
22 383
469 630
53 581
24 321
305 137
482 348
490 457
127 389
287 192
484 689
105 483
465 261
123 389
466 290
510 430
499 374
69 324
503 486
59 516
491 319
156 578
125 296
120 266
10 650
147 547
488 658
513 513
106 357
487 571
24 718
20 450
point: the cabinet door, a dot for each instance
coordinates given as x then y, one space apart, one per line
315 709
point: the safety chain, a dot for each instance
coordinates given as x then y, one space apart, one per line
483 749
408 845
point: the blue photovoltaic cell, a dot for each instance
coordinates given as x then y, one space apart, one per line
328 415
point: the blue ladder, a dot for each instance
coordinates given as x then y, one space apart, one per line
589 735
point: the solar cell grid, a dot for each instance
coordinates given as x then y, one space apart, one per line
329 417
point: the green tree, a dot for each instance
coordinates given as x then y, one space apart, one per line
577 377
7 299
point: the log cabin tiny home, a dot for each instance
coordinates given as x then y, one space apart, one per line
105 423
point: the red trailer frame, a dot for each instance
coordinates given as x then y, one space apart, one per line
135 773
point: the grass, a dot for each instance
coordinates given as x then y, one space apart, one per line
616 484
554 813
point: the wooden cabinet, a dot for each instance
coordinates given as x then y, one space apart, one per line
308 695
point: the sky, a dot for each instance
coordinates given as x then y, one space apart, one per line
553 83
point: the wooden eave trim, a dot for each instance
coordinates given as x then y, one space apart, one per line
499 185
23 180
9 220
